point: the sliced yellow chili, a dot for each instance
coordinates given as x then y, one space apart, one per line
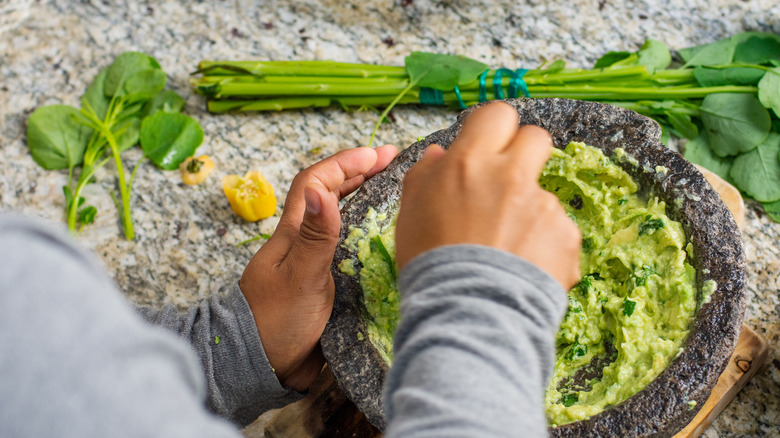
195 170
251 197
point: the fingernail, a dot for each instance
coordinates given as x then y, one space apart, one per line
313 202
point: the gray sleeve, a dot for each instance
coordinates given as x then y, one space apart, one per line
240 381
475 345
77 361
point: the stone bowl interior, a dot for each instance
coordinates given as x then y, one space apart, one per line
663 407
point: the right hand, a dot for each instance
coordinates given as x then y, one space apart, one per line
485 191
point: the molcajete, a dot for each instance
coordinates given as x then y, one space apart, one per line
670 401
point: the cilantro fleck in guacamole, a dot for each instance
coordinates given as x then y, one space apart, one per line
629 314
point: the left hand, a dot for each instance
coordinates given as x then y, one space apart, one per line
287 283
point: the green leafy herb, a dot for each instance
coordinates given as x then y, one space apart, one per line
569 399
654 55
168 101
628 307
125 66
769 90
442 72
714 77
610 58
772 209
717 53
144 85
650 225
587 244
641 278
726 95
55 140
217 339
735 123
128 133
109 122
758 48
95 96
622 201
577 350
697 151
169 138
683 125
378 246
87 215
584 285
757 172
554 67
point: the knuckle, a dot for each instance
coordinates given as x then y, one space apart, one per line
463 163
311 233
302 177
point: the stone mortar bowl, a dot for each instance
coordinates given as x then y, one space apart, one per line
664 406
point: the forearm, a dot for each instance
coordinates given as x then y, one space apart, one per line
475 345
241 383
77 362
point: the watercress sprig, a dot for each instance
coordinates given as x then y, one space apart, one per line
111 120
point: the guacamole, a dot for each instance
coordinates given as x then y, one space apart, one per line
627 317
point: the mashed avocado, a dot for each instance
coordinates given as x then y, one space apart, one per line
629 314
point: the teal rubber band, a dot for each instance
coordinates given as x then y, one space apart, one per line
461 104
519 73
498 89
513 86
431 96
516 83
483 86
498 92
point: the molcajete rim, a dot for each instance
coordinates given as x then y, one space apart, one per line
668 403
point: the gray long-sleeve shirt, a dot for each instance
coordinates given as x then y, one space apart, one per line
474 347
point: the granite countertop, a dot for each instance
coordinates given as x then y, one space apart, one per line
186 236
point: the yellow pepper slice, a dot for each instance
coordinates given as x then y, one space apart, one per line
195 170
251 197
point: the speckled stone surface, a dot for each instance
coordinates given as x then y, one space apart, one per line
184 250
660 409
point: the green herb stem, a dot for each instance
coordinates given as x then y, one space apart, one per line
387 111
643 107
124 189
299 68
86 175
627 93
104 127
231 86
308 89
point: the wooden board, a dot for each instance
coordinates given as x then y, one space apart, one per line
747 359
326 411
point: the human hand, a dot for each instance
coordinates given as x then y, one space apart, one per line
287 283
485 191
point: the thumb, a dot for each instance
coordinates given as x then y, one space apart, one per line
319 231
